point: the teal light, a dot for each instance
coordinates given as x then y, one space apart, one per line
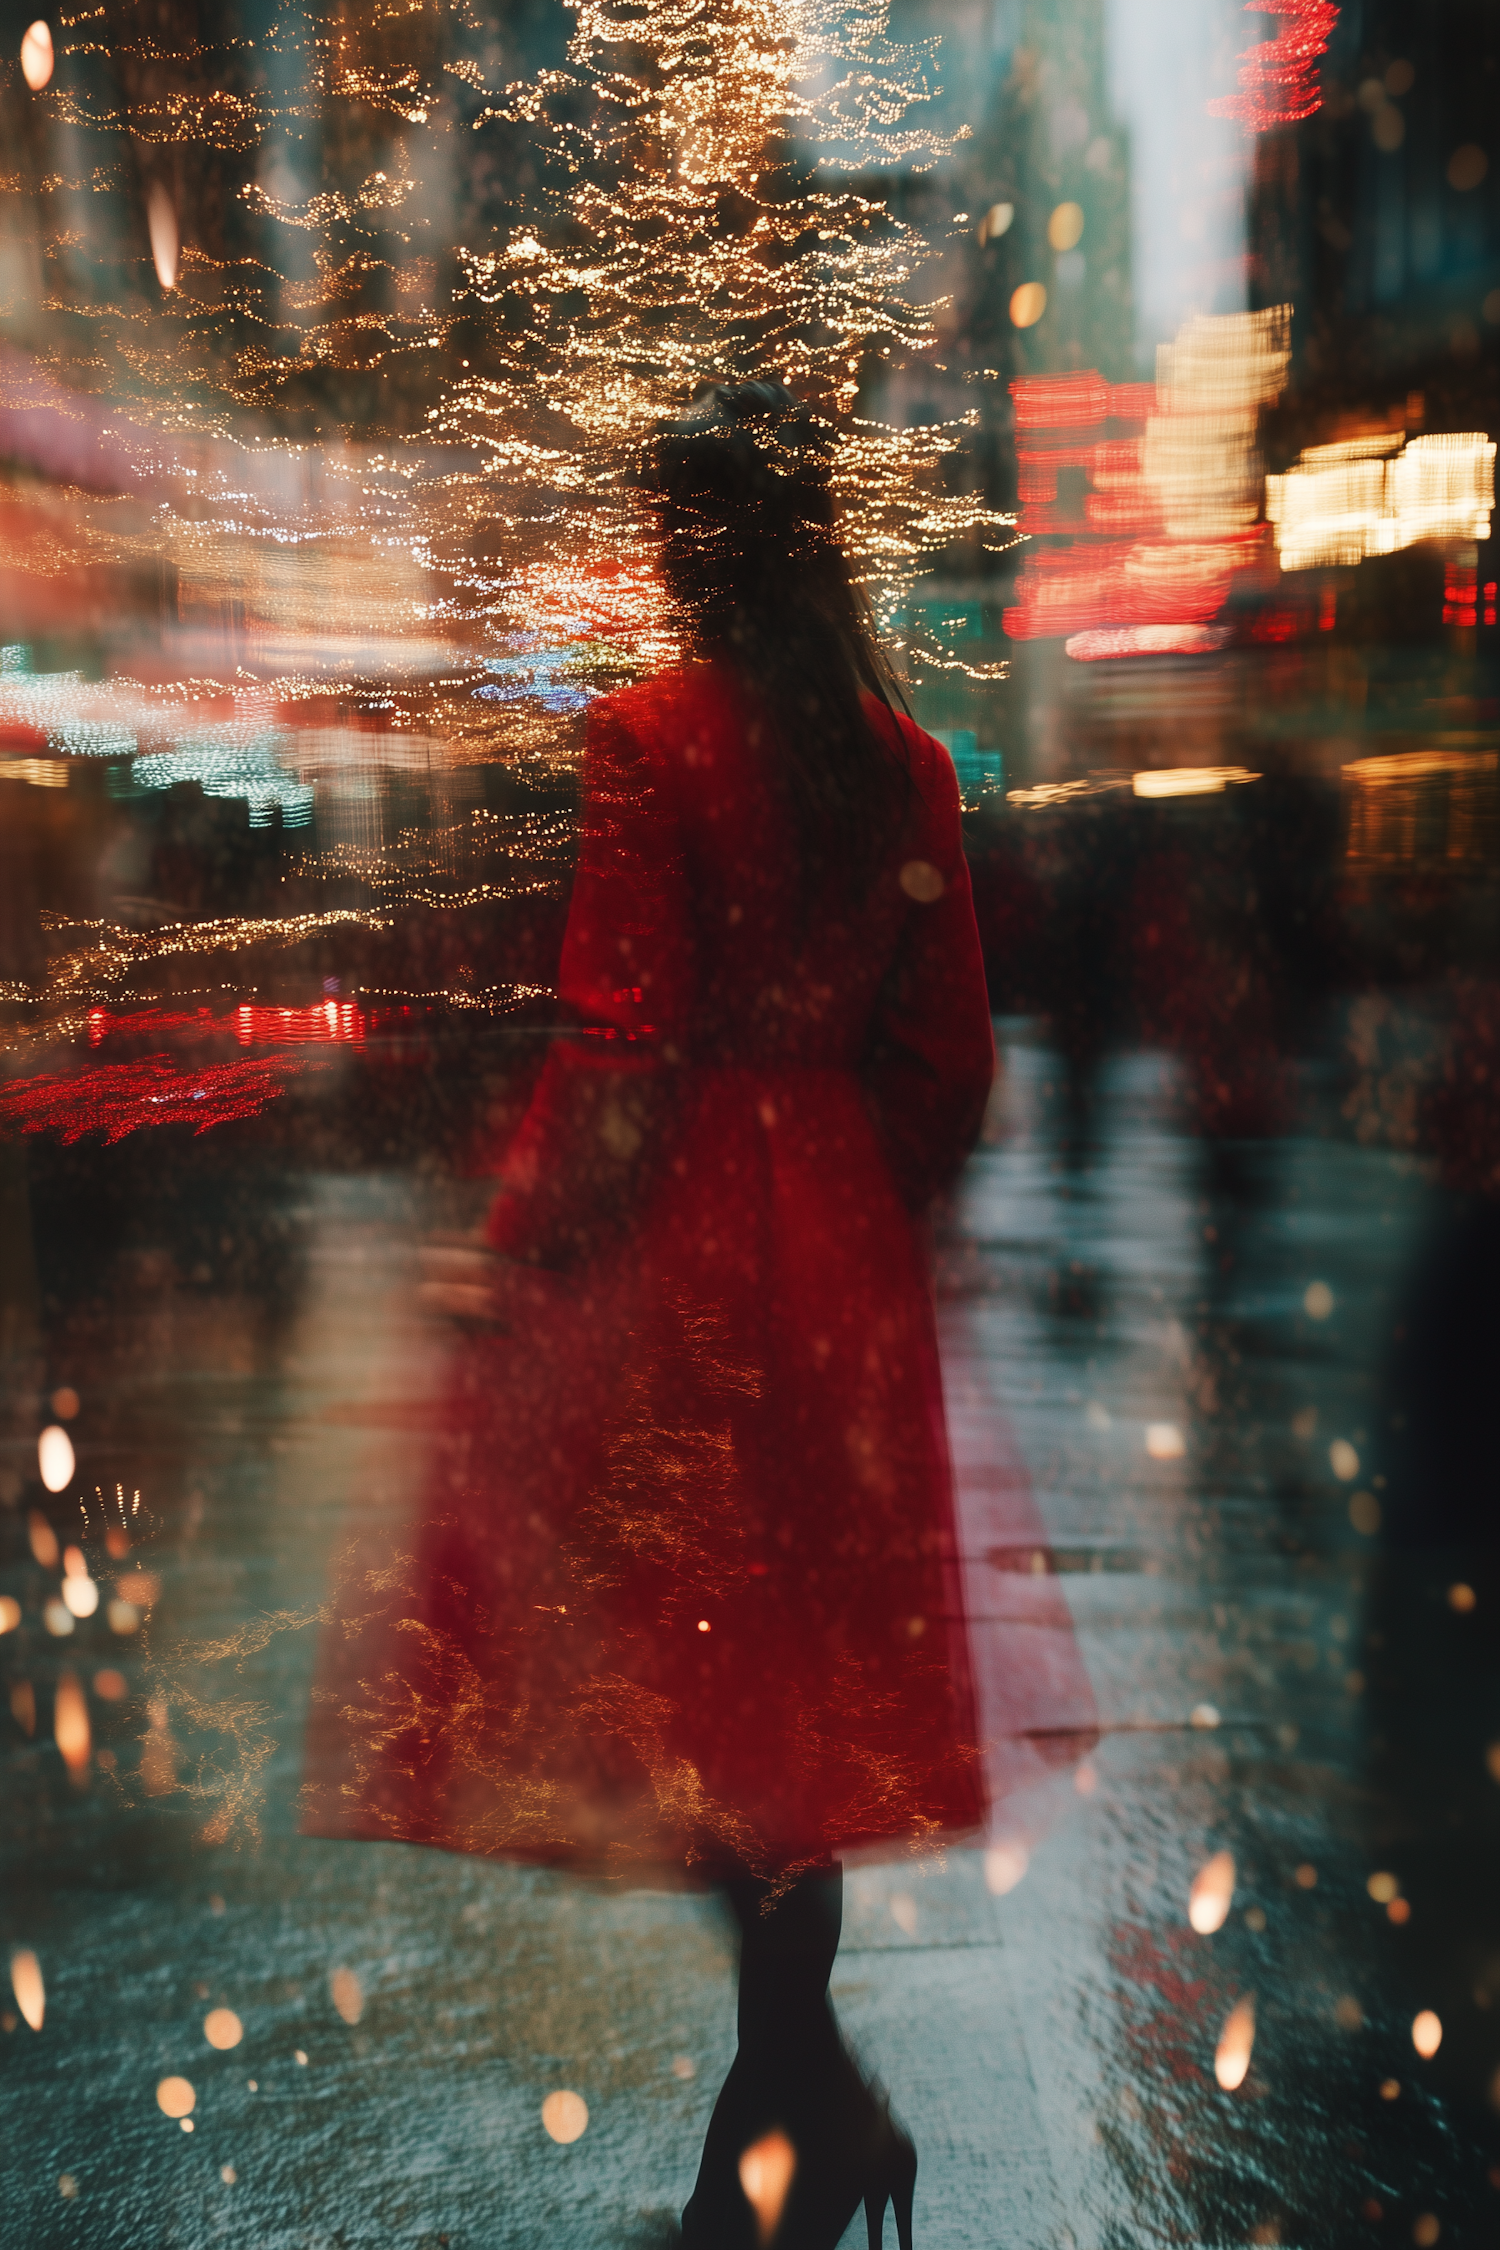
225 764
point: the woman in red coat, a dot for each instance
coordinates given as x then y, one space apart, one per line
687 1596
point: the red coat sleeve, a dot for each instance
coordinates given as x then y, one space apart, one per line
931 1054
574 1172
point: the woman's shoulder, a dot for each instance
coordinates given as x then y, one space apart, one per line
685 687
924 757
653 714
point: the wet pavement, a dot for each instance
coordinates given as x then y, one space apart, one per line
1191 1341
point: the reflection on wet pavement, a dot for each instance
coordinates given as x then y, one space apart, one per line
1193 1343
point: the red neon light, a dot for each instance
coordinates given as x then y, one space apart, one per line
121 1098
1460 595
153 1022
325 1023
1279 77
1083 589
1058 423
1079 401
1280 625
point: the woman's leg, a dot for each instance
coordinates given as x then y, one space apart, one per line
794 2075
787 2027
791 2061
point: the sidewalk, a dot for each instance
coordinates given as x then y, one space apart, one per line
1051 2049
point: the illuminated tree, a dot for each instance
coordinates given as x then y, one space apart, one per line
696 220
363 224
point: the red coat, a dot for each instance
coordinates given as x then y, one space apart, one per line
685 1590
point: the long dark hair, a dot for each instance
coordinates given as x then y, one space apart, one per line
751 554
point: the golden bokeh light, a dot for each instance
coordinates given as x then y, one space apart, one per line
1343 1460
222 2028
1462 1597
1317 1300
996 221
1164 1441
921 881
1188 781
1383 1887
565 2115
26 1983
70 1725
1426 2033
1365 1513
79 1591
347 1994
1005 1866
767 2169
161 222
43 1540
10 1613
1212 1894
176 2097
1236 2044
37 56
1065 227
54 1453
1027 304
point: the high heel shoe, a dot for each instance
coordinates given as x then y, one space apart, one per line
893 2180
855 2153
863 2156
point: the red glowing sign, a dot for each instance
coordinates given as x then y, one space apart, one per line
1461 604
326 1023
1279 77
1126 570
1160 520
255 1023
